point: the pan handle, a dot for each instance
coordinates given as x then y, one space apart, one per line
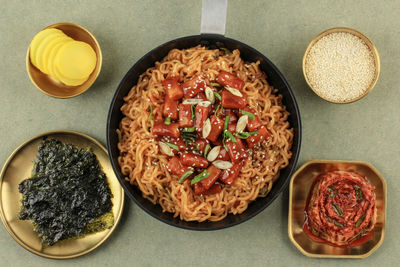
213 16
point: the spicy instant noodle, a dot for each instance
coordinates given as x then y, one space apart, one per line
203 134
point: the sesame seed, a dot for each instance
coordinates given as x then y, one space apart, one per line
340 66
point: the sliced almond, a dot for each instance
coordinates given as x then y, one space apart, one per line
223 165
166 149
192 101
234 91
204 103
210 95
206 128
213 154
241 124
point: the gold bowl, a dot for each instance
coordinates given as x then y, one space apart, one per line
367 41
299 188
54 88
19 167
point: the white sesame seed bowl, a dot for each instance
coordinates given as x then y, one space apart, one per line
341 65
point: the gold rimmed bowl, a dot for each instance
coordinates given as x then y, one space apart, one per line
370 46
299 188
55 88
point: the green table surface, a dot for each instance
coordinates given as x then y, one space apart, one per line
366 130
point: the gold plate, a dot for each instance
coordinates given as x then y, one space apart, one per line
54 88
19 167
299 189
367 41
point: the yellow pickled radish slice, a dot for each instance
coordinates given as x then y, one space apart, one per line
47 50
37 39
43 45
52 56
67 81
76 60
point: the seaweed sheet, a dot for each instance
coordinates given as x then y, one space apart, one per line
67 195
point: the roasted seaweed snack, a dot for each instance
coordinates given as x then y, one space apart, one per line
67 195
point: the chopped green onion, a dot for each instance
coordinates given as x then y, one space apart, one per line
230 136
216 84
218 96
226 148
197 147
245 135
338 224
334 190
226 122
208 147
189 135
358 223
223 142
189 138
337 209
203 175
359 194
188 130
185 175
167 121
187 141
172 146
251 115
169 194
192 110
151 112
335 222
218 110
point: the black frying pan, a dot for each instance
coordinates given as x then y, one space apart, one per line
274 77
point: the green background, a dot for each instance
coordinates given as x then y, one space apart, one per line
366 130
